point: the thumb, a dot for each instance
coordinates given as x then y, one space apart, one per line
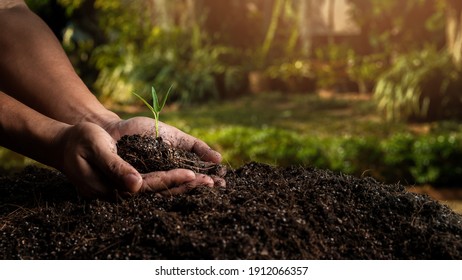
132 182
119 172
123 175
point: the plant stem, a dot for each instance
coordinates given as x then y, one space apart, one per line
156 118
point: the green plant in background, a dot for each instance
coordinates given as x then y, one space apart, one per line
331 66
421 85
354 155
11 162
157 106
365 70
437 159
402 157
294 76
397 157
197 68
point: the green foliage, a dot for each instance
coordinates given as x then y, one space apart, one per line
304 129
354 155
119 46
170 55
156 107
331 66
151 47
431 159
437 159
389 26
275 146
288 70
11 162
70 5
365 70
398 157
294 76
420 85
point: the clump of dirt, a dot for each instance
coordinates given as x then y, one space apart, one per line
264 212
148 154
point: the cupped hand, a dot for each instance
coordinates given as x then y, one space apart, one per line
88 157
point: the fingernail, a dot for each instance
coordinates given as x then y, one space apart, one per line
219 182
207 181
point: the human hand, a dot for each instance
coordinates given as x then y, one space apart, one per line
88 157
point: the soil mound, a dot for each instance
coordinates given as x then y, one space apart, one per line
264 212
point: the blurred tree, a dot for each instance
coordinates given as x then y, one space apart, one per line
310 24
161 13
330 21
305 26
276 11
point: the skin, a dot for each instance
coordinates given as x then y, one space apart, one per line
48 114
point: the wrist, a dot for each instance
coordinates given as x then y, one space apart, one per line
56 149
106 119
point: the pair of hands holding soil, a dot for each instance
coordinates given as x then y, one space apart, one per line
48 114
86 152
92 164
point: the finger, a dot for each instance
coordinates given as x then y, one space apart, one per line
164 180
205 152
218 181
203 180
179 139
200 181
178 190
200 148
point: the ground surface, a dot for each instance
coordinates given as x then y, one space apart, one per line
264 213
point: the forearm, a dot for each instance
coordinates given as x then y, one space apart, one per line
28 132
35 70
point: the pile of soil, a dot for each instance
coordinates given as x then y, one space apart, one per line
264 212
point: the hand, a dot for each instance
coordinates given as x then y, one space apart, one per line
88 157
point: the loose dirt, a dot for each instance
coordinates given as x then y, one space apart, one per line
264 212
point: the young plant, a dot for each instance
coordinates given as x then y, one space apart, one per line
157 106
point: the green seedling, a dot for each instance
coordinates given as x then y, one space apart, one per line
157 106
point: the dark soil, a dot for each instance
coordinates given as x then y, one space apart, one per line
148 154
264 212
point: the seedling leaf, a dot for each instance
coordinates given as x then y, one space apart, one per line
155 100
165 98
144 101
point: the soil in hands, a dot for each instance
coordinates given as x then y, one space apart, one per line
264 212
148 154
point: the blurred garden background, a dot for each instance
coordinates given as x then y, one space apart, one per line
364 87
